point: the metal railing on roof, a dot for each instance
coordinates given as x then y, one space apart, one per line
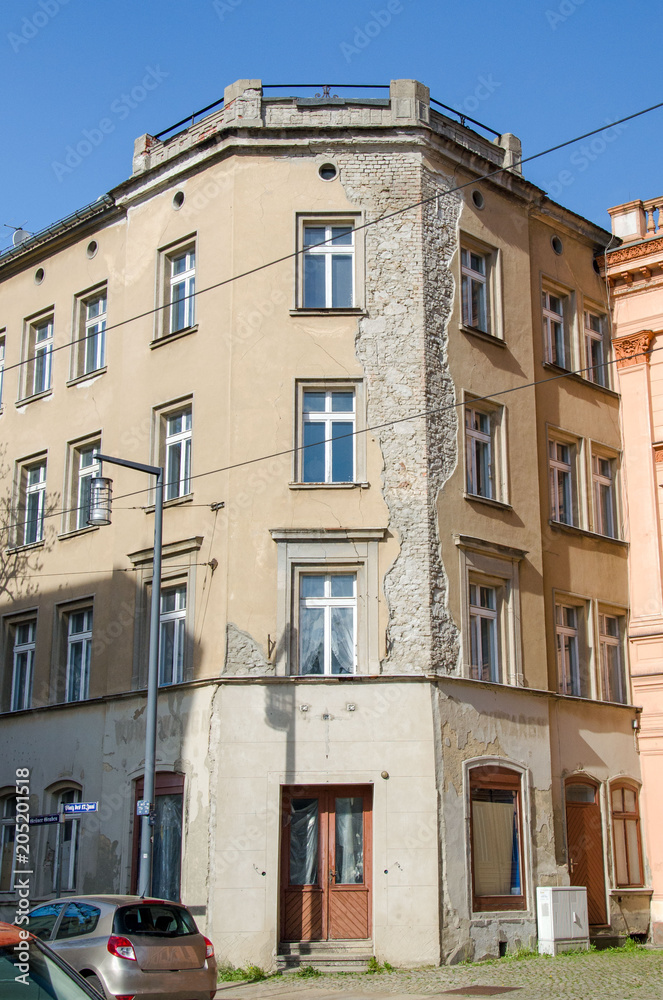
324 89
62 225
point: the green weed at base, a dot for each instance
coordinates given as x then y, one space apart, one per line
251 974
374 967
307 972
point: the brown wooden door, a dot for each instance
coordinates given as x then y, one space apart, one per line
326 863
585 844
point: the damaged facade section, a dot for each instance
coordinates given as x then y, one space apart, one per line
390 665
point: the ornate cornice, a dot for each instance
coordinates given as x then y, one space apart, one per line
624 254
630 351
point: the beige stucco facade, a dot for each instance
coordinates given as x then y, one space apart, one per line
633 274
422 718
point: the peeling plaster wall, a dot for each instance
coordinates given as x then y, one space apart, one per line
100 748
475 721
243 654
401 346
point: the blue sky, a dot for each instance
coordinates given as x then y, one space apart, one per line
544 69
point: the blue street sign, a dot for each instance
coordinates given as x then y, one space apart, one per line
42 820
80 807
142 807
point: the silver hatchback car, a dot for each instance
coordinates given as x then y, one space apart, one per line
127 946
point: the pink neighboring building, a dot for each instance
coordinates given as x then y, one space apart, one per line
634 273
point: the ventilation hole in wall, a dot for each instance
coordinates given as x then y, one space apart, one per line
178 200
92 248
328 171
39 275
478 199
557 244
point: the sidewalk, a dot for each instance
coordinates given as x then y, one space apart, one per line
636 975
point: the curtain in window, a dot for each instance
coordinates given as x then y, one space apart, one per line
304 842
342 640
166 859
349 841
312 627
495 849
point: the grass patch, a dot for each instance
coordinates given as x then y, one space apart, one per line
251 974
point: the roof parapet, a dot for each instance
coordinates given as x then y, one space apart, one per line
637 220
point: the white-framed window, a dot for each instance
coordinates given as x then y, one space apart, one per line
94 344
23 660
172 643
605 498
571 649
66 847
327 623
330 577
611 654
563 481
490 610
596 354
484 632
7 843
328 271
480 452
83 465
177 442
39 356
474 270
181 289
32 502
79 650
328 438
556 322
2 366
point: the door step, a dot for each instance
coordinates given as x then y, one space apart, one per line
347 955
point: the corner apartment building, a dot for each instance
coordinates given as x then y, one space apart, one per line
634 272
394 691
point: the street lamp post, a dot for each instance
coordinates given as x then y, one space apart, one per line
100 509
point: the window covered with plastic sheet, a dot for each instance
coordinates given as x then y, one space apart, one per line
304 822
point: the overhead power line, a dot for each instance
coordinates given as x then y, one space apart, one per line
364 430
365 225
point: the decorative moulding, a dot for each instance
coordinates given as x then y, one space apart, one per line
630 351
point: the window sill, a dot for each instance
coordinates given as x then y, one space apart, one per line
328 486
32 399
168 338
499 504
632 890
573 529
488 337
549 366
87 377
63 536
174 502
27 547
354 311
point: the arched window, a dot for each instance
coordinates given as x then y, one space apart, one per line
7 842
66 844
496 839
626 835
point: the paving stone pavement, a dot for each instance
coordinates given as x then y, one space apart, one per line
636 975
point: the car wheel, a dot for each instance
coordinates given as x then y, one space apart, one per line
95 983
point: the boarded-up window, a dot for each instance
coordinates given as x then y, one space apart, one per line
626 833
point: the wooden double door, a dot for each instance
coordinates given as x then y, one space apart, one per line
326 862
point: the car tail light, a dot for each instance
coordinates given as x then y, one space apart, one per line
124 996
121 947
209 948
